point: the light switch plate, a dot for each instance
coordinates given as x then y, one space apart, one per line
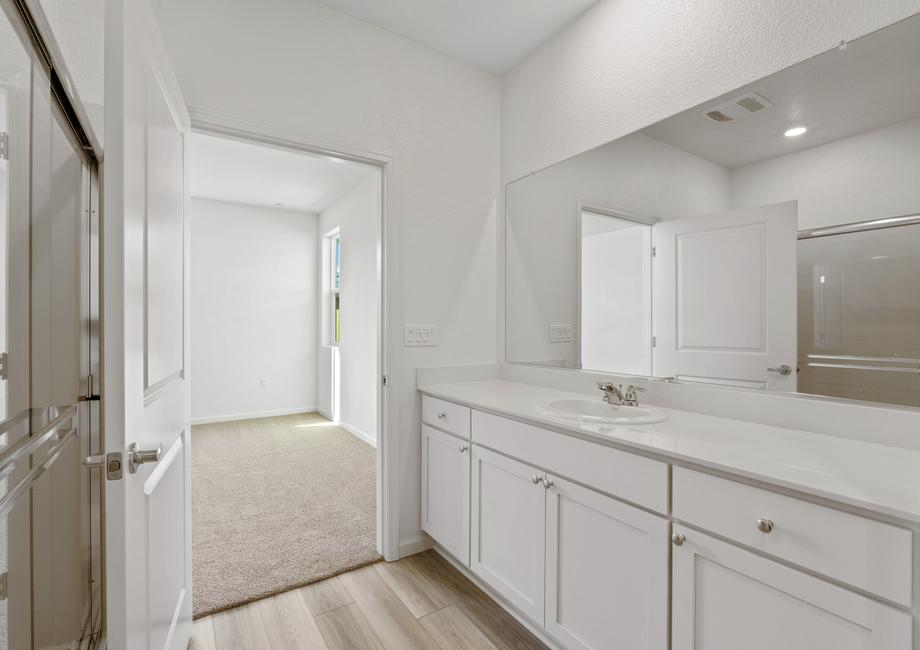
561 333
421 335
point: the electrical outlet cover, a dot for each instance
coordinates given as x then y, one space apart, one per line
560 333
421 335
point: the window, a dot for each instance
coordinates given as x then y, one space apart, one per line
335 287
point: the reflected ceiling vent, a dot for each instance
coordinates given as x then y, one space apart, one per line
738 107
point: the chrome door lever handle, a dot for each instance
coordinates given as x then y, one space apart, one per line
138 456
784 370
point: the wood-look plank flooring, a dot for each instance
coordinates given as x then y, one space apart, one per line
419 602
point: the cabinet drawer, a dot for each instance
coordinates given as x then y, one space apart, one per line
446 416
624 475
867 554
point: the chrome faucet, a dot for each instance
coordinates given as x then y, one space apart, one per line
614 393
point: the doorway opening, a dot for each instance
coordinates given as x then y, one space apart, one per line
286 339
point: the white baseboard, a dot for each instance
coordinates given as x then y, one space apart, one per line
209 419
326 414
360 435
505 605
415 545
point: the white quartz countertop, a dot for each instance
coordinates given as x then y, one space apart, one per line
866 475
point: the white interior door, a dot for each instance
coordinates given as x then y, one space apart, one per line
145 337
725 297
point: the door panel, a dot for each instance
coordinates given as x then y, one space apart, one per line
725 297
145 389
606 571
726 598
446 491
507 529
164 241
163 489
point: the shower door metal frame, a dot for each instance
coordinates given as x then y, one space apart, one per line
27 18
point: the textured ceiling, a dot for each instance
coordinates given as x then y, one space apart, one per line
489 34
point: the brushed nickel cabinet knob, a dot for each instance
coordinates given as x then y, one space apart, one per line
765 525
677 539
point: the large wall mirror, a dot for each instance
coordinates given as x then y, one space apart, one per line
769 238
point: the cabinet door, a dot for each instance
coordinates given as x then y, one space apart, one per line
508 529
725 598
606 571
446 491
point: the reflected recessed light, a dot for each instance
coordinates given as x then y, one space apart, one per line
794 131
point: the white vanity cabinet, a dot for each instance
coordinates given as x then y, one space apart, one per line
591 570
446 491
446 475
606 571
725 597
508 522
600 547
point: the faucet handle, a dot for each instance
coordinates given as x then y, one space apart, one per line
632 388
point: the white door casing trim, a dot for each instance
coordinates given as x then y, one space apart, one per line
227 125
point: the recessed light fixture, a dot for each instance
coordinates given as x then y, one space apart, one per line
795 131
279 205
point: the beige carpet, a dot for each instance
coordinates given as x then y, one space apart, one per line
277 503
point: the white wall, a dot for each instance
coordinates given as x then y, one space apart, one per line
638 174
357 214
626 64
872 175
253 310
301 69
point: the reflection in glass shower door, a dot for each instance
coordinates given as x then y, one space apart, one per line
859 315
50 547
15 129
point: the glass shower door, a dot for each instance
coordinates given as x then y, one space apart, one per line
15 167
50 505
859 315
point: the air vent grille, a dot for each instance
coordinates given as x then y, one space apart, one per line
737 107
751 103
718 116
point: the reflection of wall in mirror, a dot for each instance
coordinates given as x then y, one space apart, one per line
871 175
636 174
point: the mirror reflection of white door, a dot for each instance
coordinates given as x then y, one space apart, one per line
145 338
725 297
614 253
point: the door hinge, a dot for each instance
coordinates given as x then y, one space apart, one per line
4 145
654 341
4 366
4 586
654 251
386 381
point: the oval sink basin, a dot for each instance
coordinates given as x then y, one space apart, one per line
596 411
